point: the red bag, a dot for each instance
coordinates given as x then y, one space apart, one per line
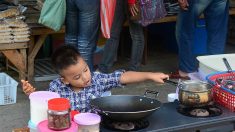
107 10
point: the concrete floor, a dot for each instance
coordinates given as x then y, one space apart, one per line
159 59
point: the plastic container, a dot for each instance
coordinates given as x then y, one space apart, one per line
58 114
224 98
39 105
222 75
42 127
8 89
221 95
32 127
88 122
214 63
172 97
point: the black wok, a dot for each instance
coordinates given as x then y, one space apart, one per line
125 107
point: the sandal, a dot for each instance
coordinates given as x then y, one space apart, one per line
176 75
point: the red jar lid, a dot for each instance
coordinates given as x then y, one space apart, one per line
59 104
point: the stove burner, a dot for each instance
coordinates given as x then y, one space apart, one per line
199 112
125 126
204 111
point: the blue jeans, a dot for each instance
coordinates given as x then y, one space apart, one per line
82 26
111 46
216 16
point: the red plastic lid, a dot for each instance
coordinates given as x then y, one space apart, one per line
59 104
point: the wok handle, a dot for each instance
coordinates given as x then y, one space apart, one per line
97 110
170 82
152 92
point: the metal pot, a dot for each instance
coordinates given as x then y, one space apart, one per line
194 93
125 107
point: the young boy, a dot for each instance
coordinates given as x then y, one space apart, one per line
79 85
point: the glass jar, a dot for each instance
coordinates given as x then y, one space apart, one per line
58 114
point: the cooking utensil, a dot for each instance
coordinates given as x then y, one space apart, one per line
230 70
227 65
194 93
227 83
126 107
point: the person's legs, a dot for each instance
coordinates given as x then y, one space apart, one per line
83 26
137 36
216 16
111 45
185 27
71 22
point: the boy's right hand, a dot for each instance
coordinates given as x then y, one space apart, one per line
27 87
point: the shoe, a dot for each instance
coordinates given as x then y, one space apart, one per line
176 75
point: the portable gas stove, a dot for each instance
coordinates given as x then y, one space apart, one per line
203 111
167 118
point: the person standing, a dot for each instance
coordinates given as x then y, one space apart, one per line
137 36
82 26
216 14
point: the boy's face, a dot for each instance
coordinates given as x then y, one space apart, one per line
78 75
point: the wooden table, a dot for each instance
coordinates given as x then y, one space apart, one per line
39 34
37 38
16 54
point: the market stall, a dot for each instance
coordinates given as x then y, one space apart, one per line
38 33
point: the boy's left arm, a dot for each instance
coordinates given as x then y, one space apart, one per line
27 87
133 77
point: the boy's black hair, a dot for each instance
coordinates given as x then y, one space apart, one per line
65 56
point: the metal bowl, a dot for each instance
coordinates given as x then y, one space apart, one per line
194 93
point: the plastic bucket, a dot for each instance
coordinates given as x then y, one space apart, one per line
39 105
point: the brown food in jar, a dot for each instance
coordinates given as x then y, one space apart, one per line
59 122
